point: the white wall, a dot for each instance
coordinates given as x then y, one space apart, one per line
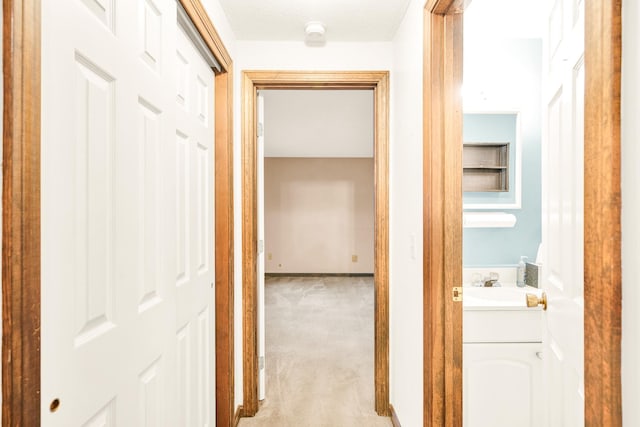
406 219
318 214
630 214
318 123
221 24
286 55
403 57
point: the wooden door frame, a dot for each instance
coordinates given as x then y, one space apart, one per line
443 213
252 81
442 216
21 213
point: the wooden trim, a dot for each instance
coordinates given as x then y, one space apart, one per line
249 250
602 210
315 79
251 82
203 24
394 417
453 216
224 248
236 417
381 245
446 7
224 226
21 214
442 181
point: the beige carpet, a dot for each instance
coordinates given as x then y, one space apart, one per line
319 354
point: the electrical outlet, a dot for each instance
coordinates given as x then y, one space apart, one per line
269 256
354 258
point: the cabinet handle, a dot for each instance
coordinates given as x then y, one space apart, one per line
539 355
534 300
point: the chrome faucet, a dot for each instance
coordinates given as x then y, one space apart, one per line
492 280
489 283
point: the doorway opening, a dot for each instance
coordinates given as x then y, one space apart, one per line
262 80
315 256
443 204
502 146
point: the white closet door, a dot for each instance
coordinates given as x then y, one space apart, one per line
111 304
194 278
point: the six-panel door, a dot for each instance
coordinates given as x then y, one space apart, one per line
127 217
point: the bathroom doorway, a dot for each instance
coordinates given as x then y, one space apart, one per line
443 124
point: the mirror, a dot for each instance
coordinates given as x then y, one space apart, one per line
502 104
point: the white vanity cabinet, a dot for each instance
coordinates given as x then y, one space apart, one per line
502 359
502 384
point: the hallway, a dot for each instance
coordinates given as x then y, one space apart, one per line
319 351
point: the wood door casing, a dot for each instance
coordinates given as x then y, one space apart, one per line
21 214
442 215
602 208
378 81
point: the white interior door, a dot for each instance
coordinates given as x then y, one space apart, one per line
193 142
562 208
261 253
112 313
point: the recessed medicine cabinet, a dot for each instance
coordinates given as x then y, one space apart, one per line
491 176
485 166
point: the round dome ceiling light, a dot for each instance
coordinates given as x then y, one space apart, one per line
314 34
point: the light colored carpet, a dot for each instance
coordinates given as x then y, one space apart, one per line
319 354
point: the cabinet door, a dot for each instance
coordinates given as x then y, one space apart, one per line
502 385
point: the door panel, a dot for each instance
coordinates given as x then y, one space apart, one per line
114 246
94 204
148 204
562 213
193 103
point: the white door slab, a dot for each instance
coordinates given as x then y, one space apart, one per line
111 309
194 277
562 212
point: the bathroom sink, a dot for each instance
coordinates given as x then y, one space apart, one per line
500 298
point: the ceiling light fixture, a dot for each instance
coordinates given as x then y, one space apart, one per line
314 34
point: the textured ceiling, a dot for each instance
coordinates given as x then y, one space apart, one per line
345 20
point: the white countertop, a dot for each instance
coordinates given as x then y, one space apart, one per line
501 298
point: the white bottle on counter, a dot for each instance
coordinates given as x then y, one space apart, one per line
522 267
